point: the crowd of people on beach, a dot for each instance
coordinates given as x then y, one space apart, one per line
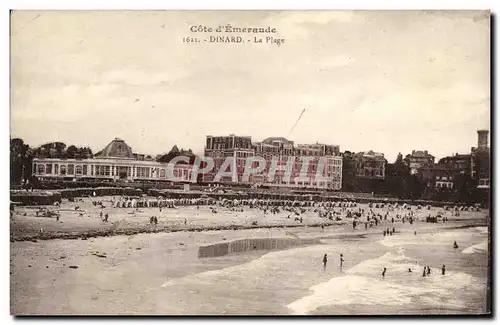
333 210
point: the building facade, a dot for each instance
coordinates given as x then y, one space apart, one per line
419 159
115 162
219 148
282 153
480 160
461 163
370 165
444 176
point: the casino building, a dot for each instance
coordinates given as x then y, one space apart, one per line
115 162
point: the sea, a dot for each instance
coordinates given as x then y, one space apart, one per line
295 282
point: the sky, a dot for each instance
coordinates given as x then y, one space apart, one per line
388 81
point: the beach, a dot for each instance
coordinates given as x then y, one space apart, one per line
162 273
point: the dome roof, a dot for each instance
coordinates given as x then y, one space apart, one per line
117 149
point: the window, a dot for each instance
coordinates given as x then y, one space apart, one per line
162 173
48 169
40 169
84 169
107 170
56 169
63 170
71 169
141 172
78 170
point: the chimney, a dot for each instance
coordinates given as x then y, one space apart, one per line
482 139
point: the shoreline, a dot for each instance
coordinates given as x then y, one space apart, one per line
95 233
101 233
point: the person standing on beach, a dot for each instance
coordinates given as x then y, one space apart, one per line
423 274
443 270
325 259
341 260
383 272
455 245
428 271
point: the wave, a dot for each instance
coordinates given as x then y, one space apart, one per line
479 248
434 239
364 285
482 230
354 289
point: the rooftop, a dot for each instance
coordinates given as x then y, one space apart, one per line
117 148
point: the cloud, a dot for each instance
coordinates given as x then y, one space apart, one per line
368 79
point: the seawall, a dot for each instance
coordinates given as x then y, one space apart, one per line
253 244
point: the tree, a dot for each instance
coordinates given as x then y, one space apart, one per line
464 186
416 187
71 152
349 179
84 152
21 158
174 152
398 178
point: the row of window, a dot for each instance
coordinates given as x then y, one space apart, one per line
42 169
101 170
444 184
370 172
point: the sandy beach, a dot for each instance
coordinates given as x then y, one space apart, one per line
162 273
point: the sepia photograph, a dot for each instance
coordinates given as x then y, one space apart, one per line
250 162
